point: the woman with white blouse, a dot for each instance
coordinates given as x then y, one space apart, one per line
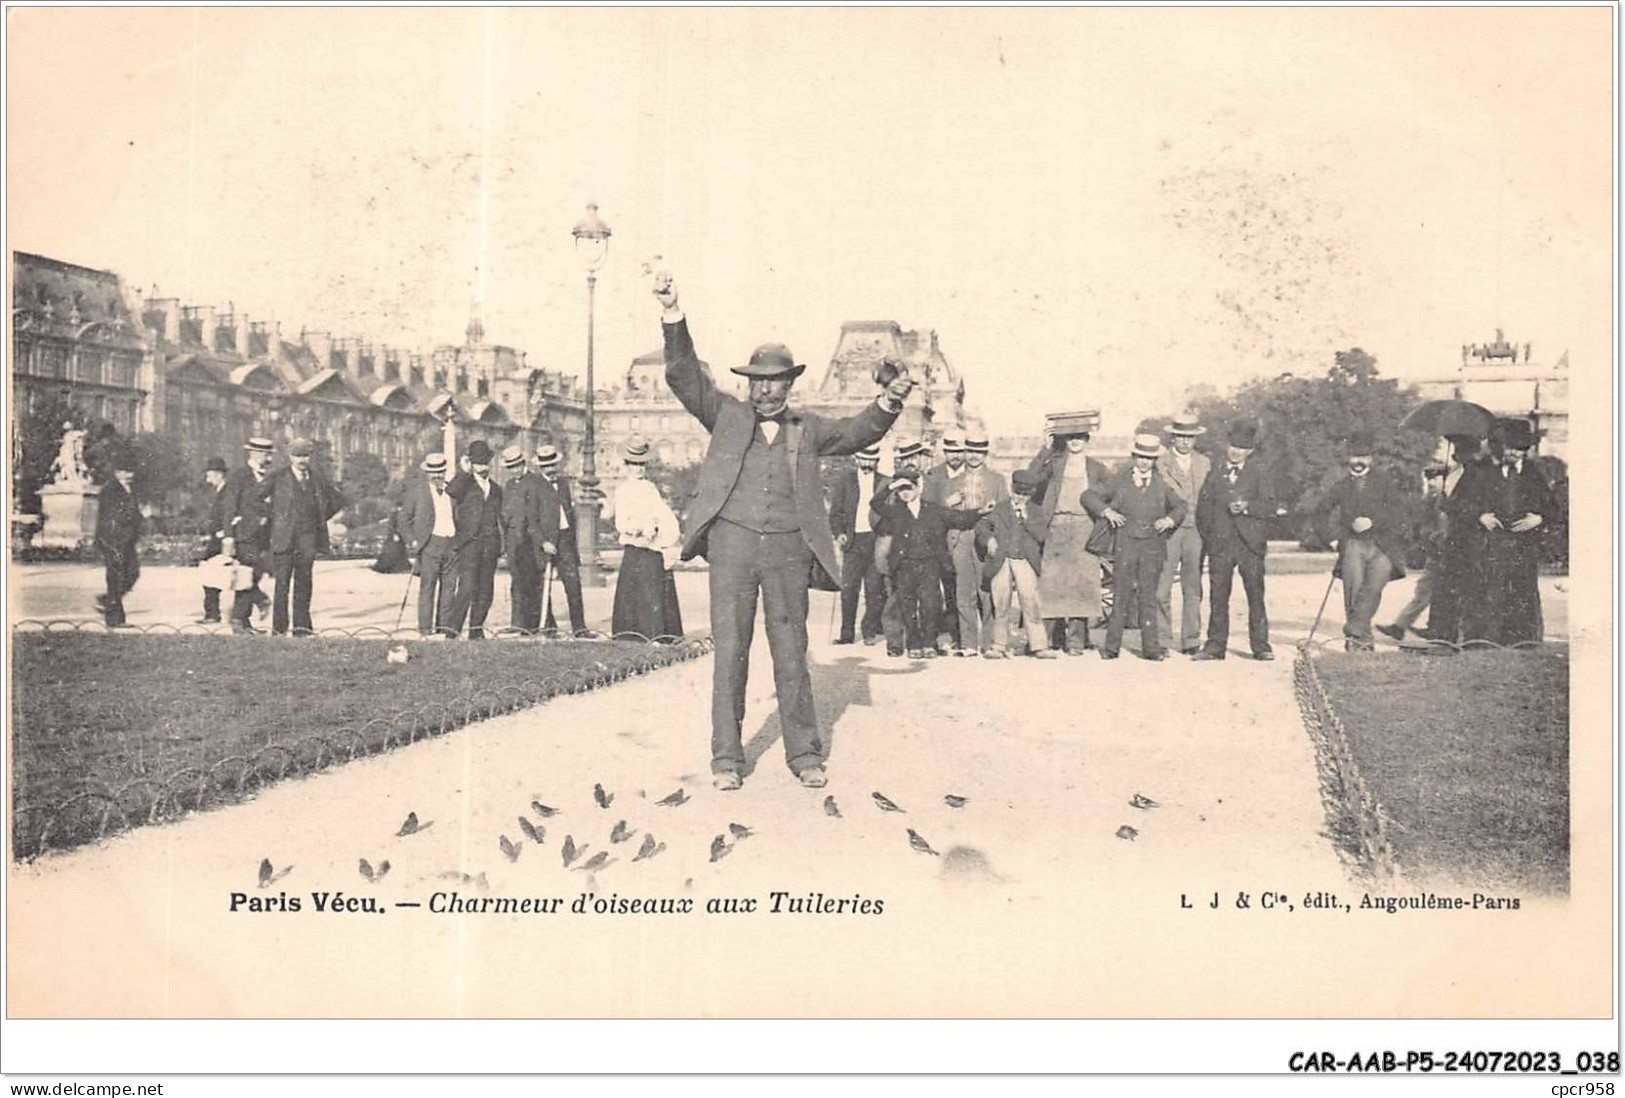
651 543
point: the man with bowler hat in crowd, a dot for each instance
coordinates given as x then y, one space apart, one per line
428 523
1184 469
300 502
248 529
555 517
477 505
118 529
214 475
522 542
1369 534
1233 516
1514 505
758 517
1143 510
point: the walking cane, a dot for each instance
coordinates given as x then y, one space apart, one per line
1324 599
410 576
547 590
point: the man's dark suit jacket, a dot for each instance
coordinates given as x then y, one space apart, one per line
281 496
1220 529
118 520
1511 495
843 504
415 520
1376 499
247 508
921 537
1140 507
479 517
1047 469
732 424
546 501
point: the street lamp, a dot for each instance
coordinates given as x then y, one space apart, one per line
592 245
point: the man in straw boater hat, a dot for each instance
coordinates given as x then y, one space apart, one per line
908 457
973 487
477 506
1138 504
248 528
853 493
428 522
555 519
758 517
522 542
1233 515
1369 534
1184 470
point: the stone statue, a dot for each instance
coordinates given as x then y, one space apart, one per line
69 469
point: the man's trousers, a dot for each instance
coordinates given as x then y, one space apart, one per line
1185 560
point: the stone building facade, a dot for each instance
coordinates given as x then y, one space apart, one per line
1510 381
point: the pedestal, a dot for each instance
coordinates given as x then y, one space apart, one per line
70 516
588 504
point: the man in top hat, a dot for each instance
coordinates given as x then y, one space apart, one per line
118 529
1010 544
555 521
1369 534
248 528
1144 510
214 475
849 521
1233 515
758 517
428 522
972 486
300 502
477 507
522 541
1427 534
1184 470
1514 505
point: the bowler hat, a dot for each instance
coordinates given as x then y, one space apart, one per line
215 465
635 452
770 360
259 444
910 475
1243 433
1362 443
479 452
124 460
1186 423
513 458
1515 434
547 457
434 463
301 447
1147 446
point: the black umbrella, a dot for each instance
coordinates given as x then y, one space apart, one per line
1451 417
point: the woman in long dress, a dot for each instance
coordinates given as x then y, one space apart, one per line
645 594
1069 582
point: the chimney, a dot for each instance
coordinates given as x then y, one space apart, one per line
320 344
206 326
240 325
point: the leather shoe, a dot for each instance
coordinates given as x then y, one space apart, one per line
243 629
727 781
1107 655
1155 656
844 640
813 777
1393 632
1189 651
1264 656
1046 654
1207 654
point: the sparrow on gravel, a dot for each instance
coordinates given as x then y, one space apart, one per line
740 831
601 797
885 803
570 851
620 834
673 800
510 850
532 832
543 810
917 841
411 826
595 862
954 801
831 808
649 848
1127 832
1141 801
720 848
372 874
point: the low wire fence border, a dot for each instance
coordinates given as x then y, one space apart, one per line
99 809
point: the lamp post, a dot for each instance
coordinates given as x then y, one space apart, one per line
592 245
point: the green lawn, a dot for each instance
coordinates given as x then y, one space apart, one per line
1468 756
106 729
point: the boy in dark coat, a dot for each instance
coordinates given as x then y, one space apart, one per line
1369 532
1143 509
919 535
118 528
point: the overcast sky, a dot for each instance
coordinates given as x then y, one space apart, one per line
1089 206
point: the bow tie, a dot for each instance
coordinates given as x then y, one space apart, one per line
1141 481
776 417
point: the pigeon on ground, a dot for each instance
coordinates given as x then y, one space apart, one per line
740 831
1141 801
955 801
620 834
570 851
266 872
918 843
510 850
542 810
1127 832
831 808
720 848
601 797
532 832
411 826
595 862
372 874
885 803
647 850
673 800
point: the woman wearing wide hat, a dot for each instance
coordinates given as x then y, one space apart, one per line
651 543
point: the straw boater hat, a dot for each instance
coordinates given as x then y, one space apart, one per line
1147 446
976 446
953 444
635 452
513 458
434 464
547 457
909 449
1186 423
259 444
869 454
770 360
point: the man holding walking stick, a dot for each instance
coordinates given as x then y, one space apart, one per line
427 522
